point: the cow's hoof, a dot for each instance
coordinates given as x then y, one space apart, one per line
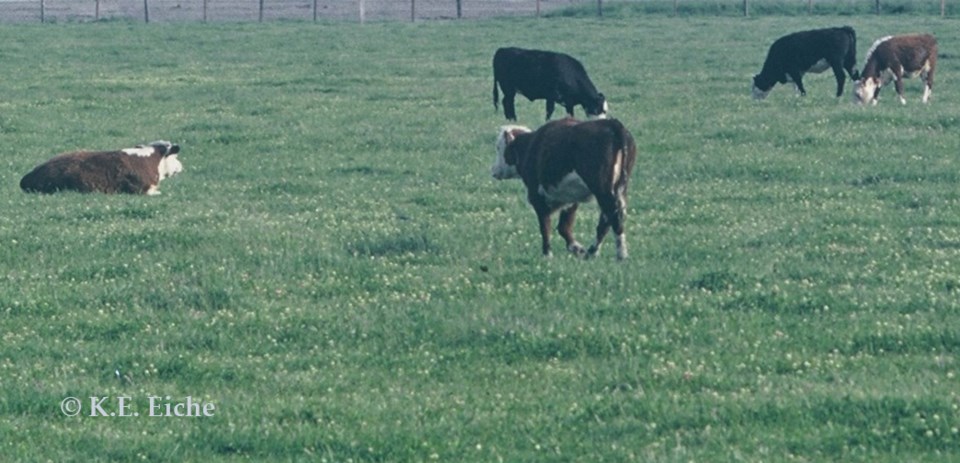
577 249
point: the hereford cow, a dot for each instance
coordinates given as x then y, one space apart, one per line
566 162
133 170
893 58
538 75
793 55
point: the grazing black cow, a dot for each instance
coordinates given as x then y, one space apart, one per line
793 55
133 170
538 75
893 58
566 162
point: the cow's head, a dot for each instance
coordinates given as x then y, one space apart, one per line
865 90
169 164
761 88
599 108
505 165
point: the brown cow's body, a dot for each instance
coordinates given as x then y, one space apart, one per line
133 171
894 58
565 163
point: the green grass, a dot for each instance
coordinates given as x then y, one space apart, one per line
337 272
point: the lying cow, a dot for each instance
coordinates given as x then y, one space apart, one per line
893 58
133 170
566 162
793 55
539 75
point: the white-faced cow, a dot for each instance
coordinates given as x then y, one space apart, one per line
544 75
566 162
133 170
893 58
793 55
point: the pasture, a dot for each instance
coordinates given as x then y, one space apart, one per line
337 272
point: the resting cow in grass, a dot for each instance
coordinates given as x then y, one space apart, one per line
793 55
544 75
133 170
566 162
894 58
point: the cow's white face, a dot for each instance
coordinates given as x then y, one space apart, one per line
170 166
500 169
865 89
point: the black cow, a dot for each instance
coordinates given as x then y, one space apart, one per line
793 55
565 163
538 75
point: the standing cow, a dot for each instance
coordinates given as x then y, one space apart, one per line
136 170
566 162
893 58
539 75
793 55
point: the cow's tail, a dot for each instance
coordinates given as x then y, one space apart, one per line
850 59
496 95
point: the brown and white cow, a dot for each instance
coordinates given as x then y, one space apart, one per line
893 58
136 170
566 162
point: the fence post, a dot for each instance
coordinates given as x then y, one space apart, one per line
746 8
460 9
809 6
943 8
42 19
363 13
413 10
96 11
204 10
878 6
260 12
538 8
314 10
146 11
599 7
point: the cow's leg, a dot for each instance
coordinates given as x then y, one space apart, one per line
612 208
569 108
927 85
509 110
841 78
798 81
543 219
565 228
898 84
551 105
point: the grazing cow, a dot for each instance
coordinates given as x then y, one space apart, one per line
133 170
566 162
538 75
793 55
893 58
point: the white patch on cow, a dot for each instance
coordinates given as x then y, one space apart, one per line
153 190
576 248
819 66
864 90
759 94
500 169
926 92
570 189
144 151
621 247
169 166
873 48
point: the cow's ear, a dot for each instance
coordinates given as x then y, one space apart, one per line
174 149
509 136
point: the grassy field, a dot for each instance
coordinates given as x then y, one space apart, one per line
336 272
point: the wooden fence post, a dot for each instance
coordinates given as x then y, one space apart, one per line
878 6
146 11
943 8
746 8
459 9
260 12
599 7
363 13
42 13
538 8
413 10
96 11
204 10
